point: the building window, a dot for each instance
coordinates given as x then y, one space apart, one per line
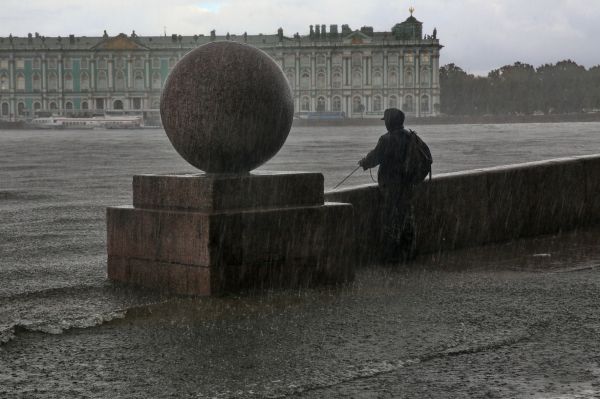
337 104
156 81
409 58
3 63
139 81
392 102
409 105
85 63
155 63
119 80
37 82
119 63
305 80
52 63
4 81
377 104
138 62
172 62
52 81
356 79
68 81
20 81
85 81
84 105
321 59
53 105
356 59
99 103
377 79
155 103
21 108
393 79
321 104
357 106
36 63
5 109
67 63
425 58
424 104
102 81
305 106
20 63
425 76
37 106
69 105
118 104
291 78
321 80
137 103
337 80
408 77
102 63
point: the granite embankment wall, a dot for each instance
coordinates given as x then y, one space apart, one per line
475 207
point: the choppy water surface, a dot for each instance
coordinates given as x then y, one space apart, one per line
55 186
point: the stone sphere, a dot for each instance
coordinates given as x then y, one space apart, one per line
227 107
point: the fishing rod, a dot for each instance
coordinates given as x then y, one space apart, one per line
346 178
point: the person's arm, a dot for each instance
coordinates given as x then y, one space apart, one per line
374 157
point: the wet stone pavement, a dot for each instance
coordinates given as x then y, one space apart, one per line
502 321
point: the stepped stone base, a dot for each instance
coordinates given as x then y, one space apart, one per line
212 234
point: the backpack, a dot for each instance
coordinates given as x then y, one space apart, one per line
418 160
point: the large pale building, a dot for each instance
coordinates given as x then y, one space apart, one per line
357 72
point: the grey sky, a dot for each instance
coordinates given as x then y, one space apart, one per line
478 35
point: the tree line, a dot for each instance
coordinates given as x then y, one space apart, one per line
564 87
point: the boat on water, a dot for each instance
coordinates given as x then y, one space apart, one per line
96 122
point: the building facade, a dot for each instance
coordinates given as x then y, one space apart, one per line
357 72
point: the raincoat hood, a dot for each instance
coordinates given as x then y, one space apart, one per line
394 119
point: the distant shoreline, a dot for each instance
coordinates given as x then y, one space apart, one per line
459 120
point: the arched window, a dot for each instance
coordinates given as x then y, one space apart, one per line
138 62
172 62
321 80
5 109
20 82
356 79
69 105
37 106
321 59
337 80
137 103
37 82
156 81
84 81
408 77
52 81
102 80
119 80
119 63
377 79
305 80
377 103
85 105
392 102
102 63
67 63
4 81
393 79
155 103
409 105
337 104
118 104
305 105
68 81
21 108
291 78
53 106
36 63
425 76
357 106
424 103
139 80
321 104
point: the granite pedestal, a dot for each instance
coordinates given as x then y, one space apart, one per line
209 234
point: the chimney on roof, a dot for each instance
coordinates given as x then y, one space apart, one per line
213 35
245 37
333 31
72 39
311 33
346 30
37 35
280 34
323 32
317 32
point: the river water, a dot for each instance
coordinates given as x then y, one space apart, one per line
56 185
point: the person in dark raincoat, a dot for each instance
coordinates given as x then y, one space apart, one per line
397 220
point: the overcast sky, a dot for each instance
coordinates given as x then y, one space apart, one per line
478 35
